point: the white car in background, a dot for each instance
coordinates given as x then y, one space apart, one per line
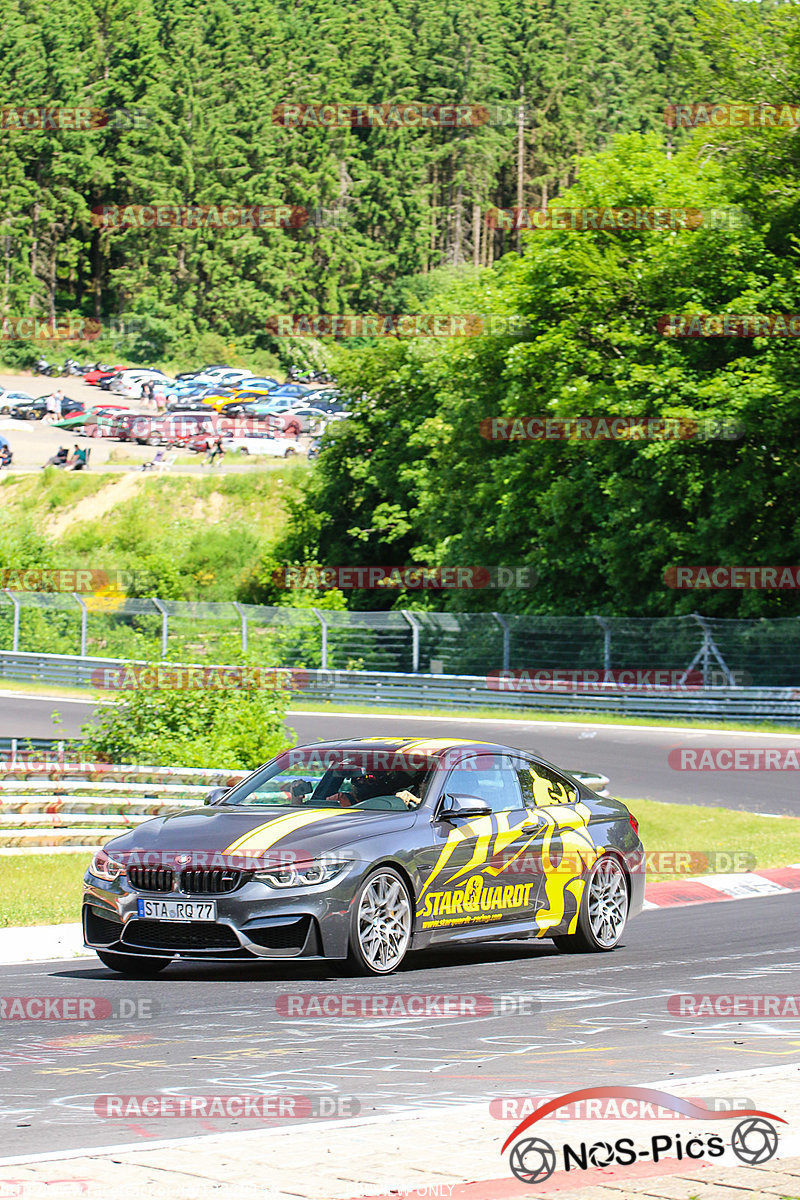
9 397
129 383
262 444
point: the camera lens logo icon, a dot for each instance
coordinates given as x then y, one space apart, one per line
754 1141
533 1160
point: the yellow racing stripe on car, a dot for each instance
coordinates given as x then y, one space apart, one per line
266 835
481 827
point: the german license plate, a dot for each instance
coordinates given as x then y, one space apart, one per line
178 910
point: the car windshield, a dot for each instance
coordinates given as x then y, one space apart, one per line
334 779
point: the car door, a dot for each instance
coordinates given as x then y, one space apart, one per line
565 847
477 872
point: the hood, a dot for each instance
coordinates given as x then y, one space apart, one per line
309 832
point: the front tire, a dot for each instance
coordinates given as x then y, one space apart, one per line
381 920
135 966
603 912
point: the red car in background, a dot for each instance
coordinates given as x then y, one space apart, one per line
99 373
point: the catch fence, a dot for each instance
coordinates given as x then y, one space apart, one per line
715 652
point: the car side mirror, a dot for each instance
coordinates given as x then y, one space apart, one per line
463 806
213 796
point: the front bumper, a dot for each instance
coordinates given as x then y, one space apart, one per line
252 923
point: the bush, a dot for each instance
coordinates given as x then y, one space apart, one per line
223 726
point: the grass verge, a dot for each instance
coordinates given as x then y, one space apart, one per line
40 889
668 827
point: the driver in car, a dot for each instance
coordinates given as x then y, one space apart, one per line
365 787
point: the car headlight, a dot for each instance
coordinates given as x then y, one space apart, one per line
104 867
312 875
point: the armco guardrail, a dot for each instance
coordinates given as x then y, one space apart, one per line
462 691
72 807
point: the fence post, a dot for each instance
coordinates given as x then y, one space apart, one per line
240 609
15 602
82 604
606 644
506 628
323 664
707 650
164 625
414 639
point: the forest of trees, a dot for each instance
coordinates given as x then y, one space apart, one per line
190 87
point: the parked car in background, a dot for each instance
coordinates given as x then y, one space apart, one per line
263 444
178 428
255 444
291 389
10 399
312 420
129 383
98 374
96 421
35 410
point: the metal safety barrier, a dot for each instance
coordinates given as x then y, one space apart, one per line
420 691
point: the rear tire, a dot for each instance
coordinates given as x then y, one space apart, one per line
603 911
135 966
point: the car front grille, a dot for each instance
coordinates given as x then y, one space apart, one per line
199 881
180 935
150 879
210 881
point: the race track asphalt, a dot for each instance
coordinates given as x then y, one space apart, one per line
566 1022
634 758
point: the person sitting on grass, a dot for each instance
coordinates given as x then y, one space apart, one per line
79 460
157 458
59 459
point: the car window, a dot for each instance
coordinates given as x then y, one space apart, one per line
542 785
490 777
329 780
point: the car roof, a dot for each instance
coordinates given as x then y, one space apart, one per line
430 746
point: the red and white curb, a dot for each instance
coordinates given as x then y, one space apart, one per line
747 885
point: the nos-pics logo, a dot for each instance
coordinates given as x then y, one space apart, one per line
533 1160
